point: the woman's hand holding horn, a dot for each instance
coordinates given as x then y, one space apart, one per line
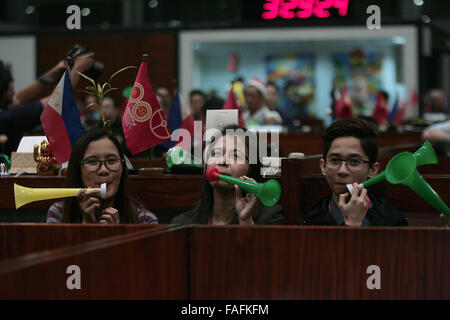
246 206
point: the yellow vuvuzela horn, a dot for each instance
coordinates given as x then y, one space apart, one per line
24 195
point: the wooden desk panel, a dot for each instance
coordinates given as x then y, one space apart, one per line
318 263
168 194
234 262
20 239
149 264
145 163
443 167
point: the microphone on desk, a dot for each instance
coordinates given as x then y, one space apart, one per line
268 192
24 195
402 169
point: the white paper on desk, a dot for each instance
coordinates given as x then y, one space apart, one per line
27 143
219 119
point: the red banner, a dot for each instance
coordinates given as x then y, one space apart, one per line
143 122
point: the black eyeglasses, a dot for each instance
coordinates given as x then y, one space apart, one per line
353 164
92 165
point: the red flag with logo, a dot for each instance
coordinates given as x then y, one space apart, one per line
143 122
231 103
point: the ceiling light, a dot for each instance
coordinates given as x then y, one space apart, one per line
85 12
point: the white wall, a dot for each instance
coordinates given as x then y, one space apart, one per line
250 62
210 71
20 52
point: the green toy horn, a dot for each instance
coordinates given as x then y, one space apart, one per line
402 170
269 192
424 155
177 155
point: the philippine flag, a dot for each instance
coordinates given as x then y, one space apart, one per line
61 121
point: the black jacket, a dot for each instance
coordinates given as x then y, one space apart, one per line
381 214
265 216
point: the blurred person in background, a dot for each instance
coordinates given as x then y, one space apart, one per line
257 113
165 100
273 103
20 112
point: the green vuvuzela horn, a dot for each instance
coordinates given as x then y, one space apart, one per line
402 169
424 155
269 192
177 155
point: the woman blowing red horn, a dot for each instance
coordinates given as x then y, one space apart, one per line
223 203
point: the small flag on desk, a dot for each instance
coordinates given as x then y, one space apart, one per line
177 115
61 121
393 113
143 122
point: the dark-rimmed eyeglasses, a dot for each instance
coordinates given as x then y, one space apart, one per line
92 165
353 164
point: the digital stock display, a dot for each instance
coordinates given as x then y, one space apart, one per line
302 9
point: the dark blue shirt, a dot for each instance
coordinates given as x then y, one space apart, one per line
18 120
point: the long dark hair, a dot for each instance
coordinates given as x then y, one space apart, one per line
123 202
203 208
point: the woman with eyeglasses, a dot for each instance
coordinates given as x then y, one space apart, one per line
234 153
97 158
350 150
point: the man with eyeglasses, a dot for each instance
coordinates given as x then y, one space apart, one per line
350 150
